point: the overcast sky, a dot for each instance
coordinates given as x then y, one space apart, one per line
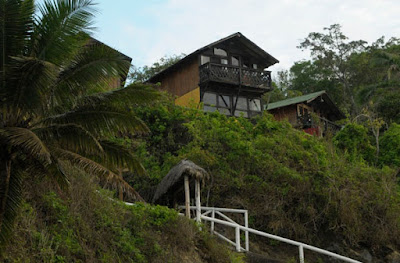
146 30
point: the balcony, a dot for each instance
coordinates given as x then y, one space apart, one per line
322 125
228 74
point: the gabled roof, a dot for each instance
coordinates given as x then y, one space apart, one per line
295 100
236 36
325 103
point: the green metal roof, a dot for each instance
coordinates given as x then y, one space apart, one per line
291 101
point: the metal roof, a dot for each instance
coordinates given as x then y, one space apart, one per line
296 100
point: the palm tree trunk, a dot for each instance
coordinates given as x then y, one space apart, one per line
5 174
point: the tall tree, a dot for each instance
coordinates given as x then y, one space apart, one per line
48 118
331 51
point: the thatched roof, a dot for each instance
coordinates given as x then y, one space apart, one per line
175 176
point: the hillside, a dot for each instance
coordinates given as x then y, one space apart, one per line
86 225
293 184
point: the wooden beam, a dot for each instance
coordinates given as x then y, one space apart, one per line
187 196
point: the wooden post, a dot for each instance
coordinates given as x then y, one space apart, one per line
198 203
187 196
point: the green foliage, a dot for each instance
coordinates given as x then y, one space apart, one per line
293 184
142 74
89 226
53 107
355 141
390 146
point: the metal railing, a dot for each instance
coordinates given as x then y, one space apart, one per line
219 212
215 211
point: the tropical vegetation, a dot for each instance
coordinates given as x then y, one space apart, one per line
52 113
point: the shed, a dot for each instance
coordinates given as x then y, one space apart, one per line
178 180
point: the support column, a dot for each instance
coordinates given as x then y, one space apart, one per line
187 196
198 203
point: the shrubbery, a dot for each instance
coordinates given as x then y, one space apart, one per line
293 184
88 225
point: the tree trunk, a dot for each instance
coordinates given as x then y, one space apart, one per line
5 173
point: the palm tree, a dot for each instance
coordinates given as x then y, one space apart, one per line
50 118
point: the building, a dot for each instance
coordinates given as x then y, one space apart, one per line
315 113
228 76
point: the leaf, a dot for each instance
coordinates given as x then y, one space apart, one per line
107 177
27 141
70 136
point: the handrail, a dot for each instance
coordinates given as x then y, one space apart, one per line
278 238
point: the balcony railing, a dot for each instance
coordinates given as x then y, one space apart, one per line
314 121
235 75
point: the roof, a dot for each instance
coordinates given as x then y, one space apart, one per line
296 100
238 36
325 103
175 177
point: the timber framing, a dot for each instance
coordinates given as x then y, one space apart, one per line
233 69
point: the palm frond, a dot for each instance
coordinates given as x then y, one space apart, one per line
100 120
57 31
27 82
26 141
134 94
118 156
94 66
16 23
12 200
70 136
107 177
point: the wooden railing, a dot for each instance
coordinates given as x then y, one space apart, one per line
235 75
312 121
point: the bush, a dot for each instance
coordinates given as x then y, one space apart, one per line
390 146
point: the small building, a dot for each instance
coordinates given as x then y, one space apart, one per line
181 182
228 76
314 113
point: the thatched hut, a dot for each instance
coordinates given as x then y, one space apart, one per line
177 181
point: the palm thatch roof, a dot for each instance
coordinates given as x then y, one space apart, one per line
175 177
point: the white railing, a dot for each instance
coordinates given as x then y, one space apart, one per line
215 211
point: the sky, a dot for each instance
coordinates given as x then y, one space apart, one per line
147 30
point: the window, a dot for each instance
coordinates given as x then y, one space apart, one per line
210 99
204 60
241 103
255 66
255 104
245 107
220 52
224 61
235 61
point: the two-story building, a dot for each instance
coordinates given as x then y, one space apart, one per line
228 76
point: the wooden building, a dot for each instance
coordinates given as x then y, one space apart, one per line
315 113
228 76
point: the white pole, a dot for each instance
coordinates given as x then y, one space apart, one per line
212 222
237 234
198 203
246 233
187 196
301 254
